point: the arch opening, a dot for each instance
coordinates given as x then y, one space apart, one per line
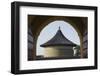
50 30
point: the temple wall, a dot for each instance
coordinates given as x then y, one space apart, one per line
58 51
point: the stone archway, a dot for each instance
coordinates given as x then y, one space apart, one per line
79 23
66 20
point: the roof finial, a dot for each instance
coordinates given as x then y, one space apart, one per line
59 27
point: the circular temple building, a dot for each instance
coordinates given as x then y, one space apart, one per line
58 47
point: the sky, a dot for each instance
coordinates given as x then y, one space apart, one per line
50 30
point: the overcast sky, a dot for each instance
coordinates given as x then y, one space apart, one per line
50 30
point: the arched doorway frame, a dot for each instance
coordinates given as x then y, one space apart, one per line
49 20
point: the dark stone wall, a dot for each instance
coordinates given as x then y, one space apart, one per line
85 44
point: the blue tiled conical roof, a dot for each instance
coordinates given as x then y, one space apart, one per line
58 40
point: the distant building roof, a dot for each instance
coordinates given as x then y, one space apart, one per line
58 40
